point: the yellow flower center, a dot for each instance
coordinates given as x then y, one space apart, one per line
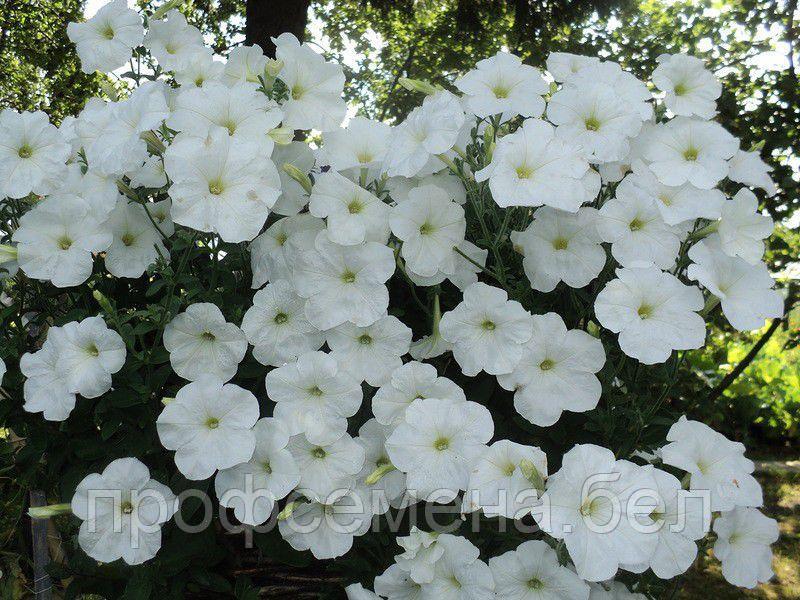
441 444
25 151
592 124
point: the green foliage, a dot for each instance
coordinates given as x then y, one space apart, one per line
765 399
39 69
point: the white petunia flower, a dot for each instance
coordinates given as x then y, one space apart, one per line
562 65
677 204
590 492
632 91
533 572
243 111
743 543
396 584
561 246
328 529
252 488
274 252
293 197
399 187
277 327
326 468
56 240
32 154
105 41
46 388
245 65
459 576
502 85
639 237
173 42
344 283
210 426
749 169
115 146
314 85
715 463
596 118
745 291
373 352
689 88
99 191
430 224
488 331
354 215
531 167
681 520
653 312
356 591
150 174
161 213
421 552
556 373
613 590
200 343
437 444
742 229
315 396
137 244
410 382
361 145
461 272
690 151
201 68
429 130
87 354
122 510
221 185
391 488
499 486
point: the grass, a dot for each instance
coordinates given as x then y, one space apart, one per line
782 502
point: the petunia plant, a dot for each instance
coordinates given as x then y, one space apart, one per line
433 356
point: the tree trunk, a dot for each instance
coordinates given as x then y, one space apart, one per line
266 19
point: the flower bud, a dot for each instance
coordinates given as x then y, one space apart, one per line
165 8
52 510
299 176
273 67
282 135
416 85
8 253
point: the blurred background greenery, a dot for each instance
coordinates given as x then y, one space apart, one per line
745 385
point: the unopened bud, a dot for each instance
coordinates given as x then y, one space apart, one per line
282 135
8 253
165 8
104 303
273 67
417 85
299 176
532 474
379 473
593 329
287 511
52 510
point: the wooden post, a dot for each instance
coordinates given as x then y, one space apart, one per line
42 585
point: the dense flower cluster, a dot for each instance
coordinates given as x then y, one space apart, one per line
610 186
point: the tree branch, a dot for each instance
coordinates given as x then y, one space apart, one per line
745 362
